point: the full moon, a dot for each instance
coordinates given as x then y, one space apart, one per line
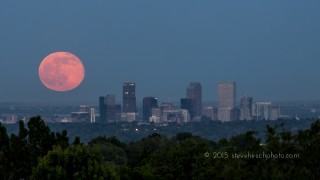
61 71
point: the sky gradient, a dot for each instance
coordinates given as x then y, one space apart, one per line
270 48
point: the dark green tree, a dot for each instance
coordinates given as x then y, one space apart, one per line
4 151
19 156
74 162
62 139
113 151
24 149
139 152
40 138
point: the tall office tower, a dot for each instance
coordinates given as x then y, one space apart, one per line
194 91
102 109
148 104
111 99
109 110
246 108
226 101
129 97
113 112
188 104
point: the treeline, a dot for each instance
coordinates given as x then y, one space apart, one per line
36 152
134 131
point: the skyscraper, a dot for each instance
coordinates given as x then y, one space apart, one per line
246 108
226 101
188 104
113 112
262 110
148 104
194 91
102 109
109 110
129 97
111 99
265 111
210 112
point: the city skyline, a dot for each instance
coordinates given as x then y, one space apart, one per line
269 48
191 108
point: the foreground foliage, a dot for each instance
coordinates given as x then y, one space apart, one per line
37 153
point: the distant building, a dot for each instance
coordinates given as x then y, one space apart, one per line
156 116
176 115
160 115
167 113
194 91
275 113
102 109
224 114
109 110
129 116
129 97
167 106
226 101
188 104
113 112
66 120
80 116
235 114
92 115
210 112
265 111
11 119
148 104
110 99
246 108
83 115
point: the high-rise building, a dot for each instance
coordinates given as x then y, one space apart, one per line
226 101
210 112
265 111
148 104
113 112
194 91
262 110
188 104
164 114
246 108
102 109
109 110
227 94
129 97
111 99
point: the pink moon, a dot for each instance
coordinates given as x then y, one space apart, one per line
61 71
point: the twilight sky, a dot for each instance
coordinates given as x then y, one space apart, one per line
270 48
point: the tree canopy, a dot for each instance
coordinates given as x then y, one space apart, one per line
36 152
